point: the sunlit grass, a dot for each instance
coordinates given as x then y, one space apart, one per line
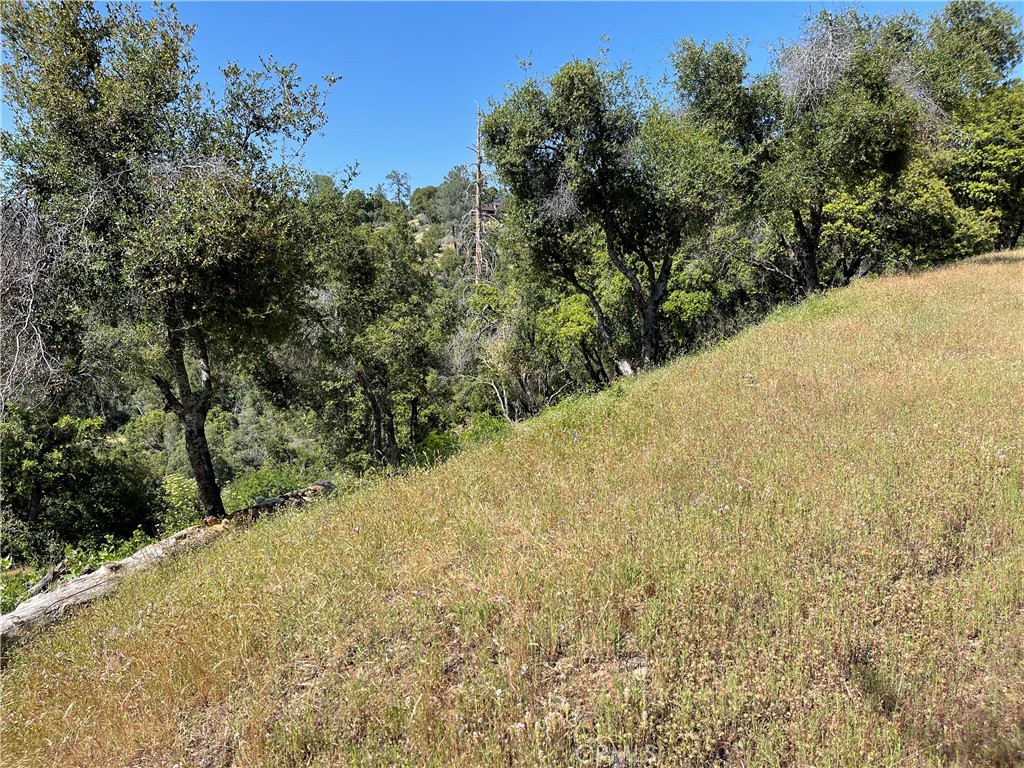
805 547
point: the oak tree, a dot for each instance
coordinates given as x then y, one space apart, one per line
188 230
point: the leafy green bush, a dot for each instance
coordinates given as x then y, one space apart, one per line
14 583
437 446
181 504
685 310
268 481
916 223
81 559
63 483
23 542
484 427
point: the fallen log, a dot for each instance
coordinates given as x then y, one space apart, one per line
51 575
46 607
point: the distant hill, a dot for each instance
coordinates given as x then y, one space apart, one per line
804 547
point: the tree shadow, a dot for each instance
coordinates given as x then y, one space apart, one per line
1003 257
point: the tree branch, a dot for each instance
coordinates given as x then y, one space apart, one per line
171 403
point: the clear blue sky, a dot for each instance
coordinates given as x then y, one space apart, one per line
413 72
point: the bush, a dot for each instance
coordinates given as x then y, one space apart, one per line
181 504
916 223
268 481
81 559
64 483
437 446
484 427
14 583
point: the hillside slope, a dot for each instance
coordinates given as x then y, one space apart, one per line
804 547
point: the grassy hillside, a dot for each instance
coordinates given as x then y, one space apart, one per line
804 547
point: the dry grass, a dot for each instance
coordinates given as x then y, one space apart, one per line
805 547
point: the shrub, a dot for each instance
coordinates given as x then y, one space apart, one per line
14 583
181 504
81 559
484 427
437 446
268 481
63 483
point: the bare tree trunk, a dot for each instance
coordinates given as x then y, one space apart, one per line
651 347
32 250
201 461
647 341
191 408
385 441
593 365
503 401
858 268
377 423
478 234
651 315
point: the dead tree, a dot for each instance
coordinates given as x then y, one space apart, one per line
478 255
30 250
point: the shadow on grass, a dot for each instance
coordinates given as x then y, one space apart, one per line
1005 257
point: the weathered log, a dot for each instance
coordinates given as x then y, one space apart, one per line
47 607
54 573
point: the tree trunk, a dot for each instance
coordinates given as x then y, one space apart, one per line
593 364
810 238
393 455
812 282
635 286
191 408
648 300
647 343
377 424
414 421
1017 234
385 443
651 346
502 401
201 460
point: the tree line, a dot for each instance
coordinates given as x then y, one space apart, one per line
192 318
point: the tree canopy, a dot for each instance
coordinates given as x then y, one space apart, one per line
188 244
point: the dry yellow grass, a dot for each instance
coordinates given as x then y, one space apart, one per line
805 547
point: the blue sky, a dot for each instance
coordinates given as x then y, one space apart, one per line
412 73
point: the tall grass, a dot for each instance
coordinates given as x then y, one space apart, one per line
805 547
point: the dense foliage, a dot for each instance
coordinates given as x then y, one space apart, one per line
193 320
